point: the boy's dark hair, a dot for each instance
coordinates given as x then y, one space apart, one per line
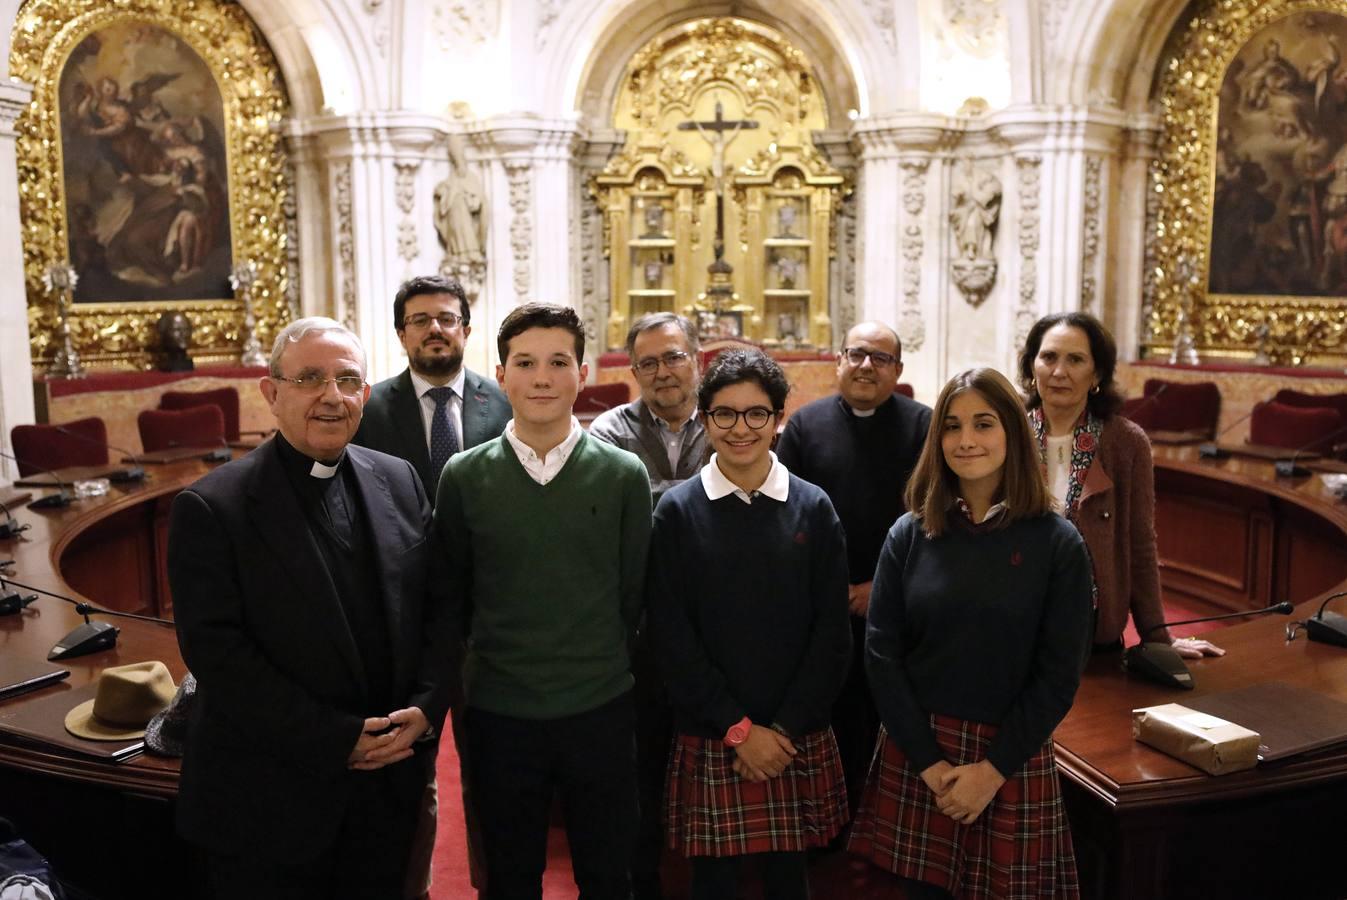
736 366
540 315
428 284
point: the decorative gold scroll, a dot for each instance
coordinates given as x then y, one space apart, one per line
1286 328
254 102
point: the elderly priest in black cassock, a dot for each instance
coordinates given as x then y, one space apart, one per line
325 658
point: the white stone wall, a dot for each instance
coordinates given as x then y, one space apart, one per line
378 85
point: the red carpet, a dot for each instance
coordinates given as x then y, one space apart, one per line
832 877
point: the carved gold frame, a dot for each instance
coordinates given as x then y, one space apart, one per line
254 100
1302 330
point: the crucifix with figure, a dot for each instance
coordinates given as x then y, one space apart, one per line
714 132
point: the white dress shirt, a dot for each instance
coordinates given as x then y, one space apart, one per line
543 470
716 485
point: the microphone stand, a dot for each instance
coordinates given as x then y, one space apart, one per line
10 528
1212 449
11 601
1159 662
1327 627
1287 468
61 498
90 637
135 473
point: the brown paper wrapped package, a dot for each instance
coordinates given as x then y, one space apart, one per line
1213 745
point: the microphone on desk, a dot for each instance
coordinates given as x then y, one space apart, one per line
221 453
61 498
10 528
135 473
90 637
1327 627
1212 449
1287 468
1159 662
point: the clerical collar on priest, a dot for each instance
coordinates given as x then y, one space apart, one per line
302 464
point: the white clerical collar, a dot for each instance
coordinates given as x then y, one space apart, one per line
716 485
861 413
325 472
420 385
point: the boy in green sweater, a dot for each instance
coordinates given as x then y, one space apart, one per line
546 532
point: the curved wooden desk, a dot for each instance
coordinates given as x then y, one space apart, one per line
1147 825
95 819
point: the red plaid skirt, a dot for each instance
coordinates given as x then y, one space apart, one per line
711 811
1020 847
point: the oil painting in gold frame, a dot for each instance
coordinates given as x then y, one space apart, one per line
1249 219
149 159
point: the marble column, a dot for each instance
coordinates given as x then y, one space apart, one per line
373 225
16 368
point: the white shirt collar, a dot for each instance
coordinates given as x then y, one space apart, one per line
420 385
544 470
861 413
716 485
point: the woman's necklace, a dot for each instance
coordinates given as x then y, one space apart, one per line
1061 453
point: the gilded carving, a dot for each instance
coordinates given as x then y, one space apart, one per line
1090 233
254 102
1205 158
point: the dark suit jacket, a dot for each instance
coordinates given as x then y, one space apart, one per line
281 691
392 421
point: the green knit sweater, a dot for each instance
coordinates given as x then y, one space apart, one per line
551 576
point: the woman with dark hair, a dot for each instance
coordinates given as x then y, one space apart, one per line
747 593
1098 467
978 630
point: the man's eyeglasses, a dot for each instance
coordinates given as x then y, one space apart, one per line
674 359
879 359
755 417
447 320
349 385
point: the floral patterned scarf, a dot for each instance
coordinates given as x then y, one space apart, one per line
1084 443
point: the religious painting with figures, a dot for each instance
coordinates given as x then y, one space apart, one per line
144 165
1279 201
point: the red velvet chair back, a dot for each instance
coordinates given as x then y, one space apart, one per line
596 398
1139 410
904 389
227 398
1316 428
83 442
1182 407
1288 397
199 426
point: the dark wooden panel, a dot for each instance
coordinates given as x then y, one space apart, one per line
112 561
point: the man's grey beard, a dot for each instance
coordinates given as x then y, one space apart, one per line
436 365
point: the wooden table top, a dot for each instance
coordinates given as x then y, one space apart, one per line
37 554
1094 742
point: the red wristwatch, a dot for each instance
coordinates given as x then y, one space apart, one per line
738 732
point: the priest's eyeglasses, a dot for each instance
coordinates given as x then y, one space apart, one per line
674 359
879 359
349 385
755 417
447 320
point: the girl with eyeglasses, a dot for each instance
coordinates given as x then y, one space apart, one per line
747 594
978 630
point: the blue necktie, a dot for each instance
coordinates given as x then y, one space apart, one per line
443 441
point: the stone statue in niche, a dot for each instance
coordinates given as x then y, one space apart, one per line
654 221
460 221
174 332
785 220
787 272
975 209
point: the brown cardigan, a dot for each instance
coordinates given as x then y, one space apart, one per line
1117 519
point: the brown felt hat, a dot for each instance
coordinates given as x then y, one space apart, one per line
126 698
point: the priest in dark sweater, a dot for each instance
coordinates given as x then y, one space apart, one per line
860 445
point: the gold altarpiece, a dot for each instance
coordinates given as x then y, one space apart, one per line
721 110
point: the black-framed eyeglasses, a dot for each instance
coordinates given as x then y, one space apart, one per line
878 358
725 418
447 320
674 359
348 385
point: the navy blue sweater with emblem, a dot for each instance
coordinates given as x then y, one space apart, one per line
748 608
984 624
